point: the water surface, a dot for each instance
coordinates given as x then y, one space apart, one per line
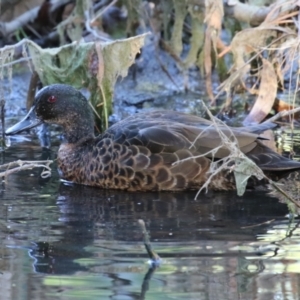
64 241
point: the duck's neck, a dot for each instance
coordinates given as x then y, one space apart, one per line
78 129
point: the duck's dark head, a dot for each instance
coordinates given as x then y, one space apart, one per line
59 104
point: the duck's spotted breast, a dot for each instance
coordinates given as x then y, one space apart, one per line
111 165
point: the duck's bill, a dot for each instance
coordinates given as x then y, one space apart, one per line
28 122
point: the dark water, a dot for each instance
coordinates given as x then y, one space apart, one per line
73 242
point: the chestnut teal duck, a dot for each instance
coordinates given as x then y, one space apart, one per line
149 151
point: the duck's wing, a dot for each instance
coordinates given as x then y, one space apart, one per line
269 160
168 132
172 131
187 119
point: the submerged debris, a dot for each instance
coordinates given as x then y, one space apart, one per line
155 260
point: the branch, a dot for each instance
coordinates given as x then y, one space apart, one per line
7 28
282 114
20 165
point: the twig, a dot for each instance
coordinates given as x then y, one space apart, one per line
165 70
283 113
152 254
280 190
9 27
22 162
101 12
19 165
256 225
16 61
94 31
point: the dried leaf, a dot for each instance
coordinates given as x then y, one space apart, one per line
70 63
243 44
266 96
280 105
91 65
248 41
286 56
214 13
243 170
213 17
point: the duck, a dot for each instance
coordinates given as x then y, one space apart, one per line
148 151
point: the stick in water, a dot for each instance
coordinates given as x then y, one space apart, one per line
152 254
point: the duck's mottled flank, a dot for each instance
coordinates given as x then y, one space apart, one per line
158 150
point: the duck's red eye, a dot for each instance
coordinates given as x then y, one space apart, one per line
52 99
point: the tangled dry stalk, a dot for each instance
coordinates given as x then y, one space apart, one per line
21 165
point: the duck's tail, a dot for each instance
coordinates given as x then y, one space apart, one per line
274 165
